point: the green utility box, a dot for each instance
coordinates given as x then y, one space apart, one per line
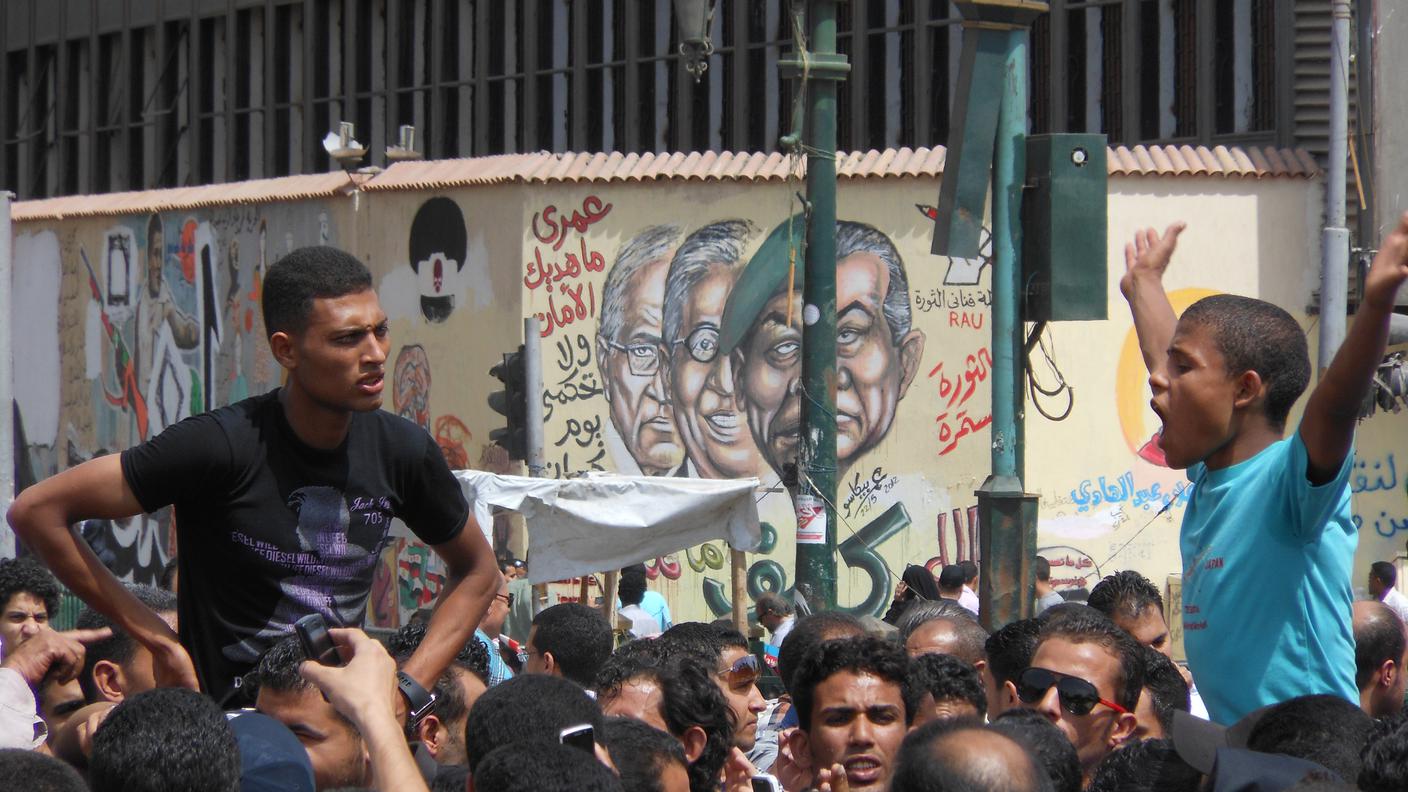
1065 213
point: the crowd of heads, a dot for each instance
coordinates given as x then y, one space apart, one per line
1082 696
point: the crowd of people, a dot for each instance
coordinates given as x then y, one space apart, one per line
283 503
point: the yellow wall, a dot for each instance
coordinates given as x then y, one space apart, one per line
907 499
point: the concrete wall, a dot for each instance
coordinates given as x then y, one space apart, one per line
919 393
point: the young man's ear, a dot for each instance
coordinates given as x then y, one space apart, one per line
109 681
1125 724
1011 691
550 664
694 740
431 732
1250 388
801 747
281 345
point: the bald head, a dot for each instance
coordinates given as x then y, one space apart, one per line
940 757
1379 647
962 638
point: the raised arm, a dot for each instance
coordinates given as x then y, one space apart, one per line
1327 429
44 515
471 584
1145 260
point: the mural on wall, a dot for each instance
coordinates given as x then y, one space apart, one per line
637 380
159 317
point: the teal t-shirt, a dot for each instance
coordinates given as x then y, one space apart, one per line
1266 582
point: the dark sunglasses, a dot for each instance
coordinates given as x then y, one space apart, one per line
744 671
1078 697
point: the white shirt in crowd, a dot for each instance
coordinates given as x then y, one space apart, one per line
1397 602
969 600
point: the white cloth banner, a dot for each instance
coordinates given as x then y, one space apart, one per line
581 526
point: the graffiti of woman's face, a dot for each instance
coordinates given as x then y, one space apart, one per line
714 431
640 405
872 372
769 368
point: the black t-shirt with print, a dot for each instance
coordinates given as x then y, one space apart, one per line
270 529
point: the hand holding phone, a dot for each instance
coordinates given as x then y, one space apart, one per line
317 644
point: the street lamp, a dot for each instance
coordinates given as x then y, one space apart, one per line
693 18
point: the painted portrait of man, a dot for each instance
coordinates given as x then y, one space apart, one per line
877 349
710 424
641 436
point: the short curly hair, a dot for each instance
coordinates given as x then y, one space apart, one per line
947 678
864 654
1125 595
1254 335
27 576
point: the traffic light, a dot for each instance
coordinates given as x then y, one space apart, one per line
512 403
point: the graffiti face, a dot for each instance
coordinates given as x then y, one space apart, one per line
768 365
156 254
339 359
439 244
714 430
635 387
410 394
872 370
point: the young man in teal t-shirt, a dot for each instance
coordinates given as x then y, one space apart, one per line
1267 538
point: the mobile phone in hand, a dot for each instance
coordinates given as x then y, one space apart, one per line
580 736
317 643
763 782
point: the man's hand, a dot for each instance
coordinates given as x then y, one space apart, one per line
364 688
1390 268
1148 256
738 772
52 654
833 780
172 666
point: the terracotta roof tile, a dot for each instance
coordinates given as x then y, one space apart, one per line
288 188
545 167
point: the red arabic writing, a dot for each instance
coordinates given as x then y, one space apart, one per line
954 422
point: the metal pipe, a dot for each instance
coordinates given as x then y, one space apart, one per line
533 387
1334 238
7 396
1008 176
816 562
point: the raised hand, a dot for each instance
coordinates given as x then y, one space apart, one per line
1390 267
1148 255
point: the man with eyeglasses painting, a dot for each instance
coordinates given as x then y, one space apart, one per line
640 437
717 441
1085 677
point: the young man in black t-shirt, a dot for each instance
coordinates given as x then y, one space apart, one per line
283 501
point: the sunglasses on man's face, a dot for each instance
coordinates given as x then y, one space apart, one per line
744 671
1078 697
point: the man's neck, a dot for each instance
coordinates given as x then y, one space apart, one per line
1042 588
1254 436
312 423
